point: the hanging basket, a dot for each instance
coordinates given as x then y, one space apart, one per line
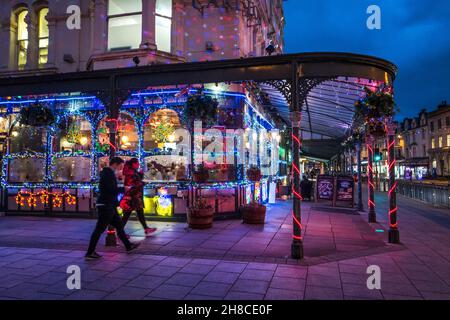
37 116
376 128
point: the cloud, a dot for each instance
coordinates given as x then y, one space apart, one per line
414 36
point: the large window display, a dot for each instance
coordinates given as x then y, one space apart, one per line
127 136
72 145
161 162
27 148
27 139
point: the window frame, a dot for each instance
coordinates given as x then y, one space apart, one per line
159 15
19 41
42 38
115 16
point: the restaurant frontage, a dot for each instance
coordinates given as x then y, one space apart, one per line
60 130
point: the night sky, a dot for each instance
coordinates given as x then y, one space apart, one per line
415 35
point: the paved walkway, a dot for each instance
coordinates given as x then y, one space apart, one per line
235 261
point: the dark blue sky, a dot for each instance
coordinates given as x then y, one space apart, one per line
415 35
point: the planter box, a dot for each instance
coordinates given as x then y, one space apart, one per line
253 214
200 218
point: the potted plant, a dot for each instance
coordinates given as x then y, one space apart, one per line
254 173
253 213
200 174
200 214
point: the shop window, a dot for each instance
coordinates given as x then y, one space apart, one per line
27 139
26 170
124 24
74 134
127 138
72 169
22 39
43 36
163 25
159 138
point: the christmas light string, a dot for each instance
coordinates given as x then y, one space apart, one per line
371 188
57 198
296 170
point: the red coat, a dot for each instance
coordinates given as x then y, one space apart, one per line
134 189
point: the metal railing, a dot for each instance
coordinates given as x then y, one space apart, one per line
438 195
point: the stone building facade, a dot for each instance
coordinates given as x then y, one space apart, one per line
38 37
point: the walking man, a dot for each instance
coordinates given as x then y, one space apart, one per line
107 204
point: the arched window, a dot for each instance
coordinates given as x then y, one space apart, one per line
25 138
163 25
22 39
160 139
159 128
127 138
74 134
43 36
124 24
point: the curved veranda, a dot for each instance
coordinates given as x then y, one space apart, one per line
310 96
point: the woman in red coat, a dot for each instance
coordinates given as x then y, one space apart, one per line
133 199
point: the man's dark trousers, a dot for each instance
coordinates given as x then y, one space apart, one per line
107 215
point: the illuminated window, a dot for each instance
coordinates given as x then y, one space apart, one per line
22 39
163 25
43 36
441 142
124 24
433 144
448 140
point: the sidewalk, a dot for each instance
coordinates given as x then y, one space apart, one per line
235 261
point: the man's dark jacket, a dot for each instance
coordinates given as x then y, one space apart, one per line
109 191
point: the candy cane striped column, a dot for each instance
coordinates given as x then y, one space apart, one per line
370 184
394 235
297 240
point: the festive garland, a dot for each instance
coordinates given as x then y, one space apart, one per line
57 198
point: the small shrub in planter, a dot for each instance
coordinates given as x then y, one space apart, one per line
253 213
200 215
200 174
254 173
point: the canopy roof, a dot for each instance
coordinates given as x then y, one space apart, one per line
327 112
329 84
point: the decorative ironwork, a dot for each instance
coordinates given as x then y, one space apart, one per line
306 84
283 86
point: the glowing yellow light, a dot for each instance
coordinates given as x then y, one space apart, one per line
14 133
171 138
125 139
83 141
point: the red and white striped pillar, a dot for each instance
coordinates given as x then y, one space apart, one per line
370 183
296 117
394 235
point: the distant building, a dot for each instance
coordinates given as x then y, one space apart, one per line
439 137
414 144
